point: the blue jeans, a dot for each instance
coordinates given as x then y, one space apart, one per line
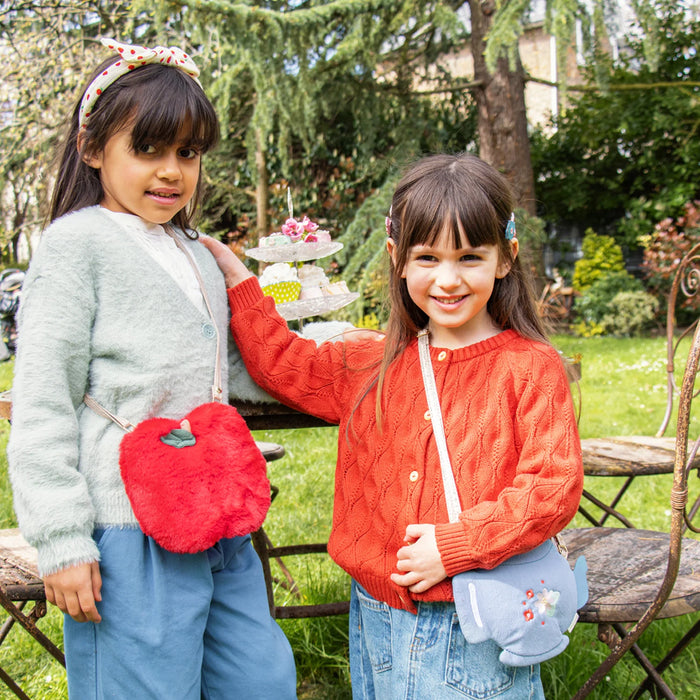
396 655
185 626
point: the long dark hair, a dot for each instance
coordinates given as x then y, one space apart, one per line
160 104
474 198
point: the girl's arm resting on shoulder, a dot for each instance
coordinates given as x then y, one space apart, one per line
294 370
234 270
76 590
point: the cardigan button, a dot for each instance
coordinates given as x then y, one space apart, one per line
426 415
413 476
442 356
208 330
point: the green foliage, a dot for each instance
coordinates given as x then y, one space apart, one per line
625 156
595 307
664 249
601 255
587 329
630 313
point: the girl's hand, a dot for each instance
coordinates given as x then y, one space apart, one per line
75 591
420 560
234 270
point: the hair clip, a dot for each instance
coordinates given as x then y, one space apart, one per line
510 228
387 223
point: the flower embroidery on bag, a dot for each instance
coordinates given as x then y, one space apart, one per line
547 602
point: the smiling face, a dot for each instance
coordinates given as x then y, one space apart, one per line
154 182
452 286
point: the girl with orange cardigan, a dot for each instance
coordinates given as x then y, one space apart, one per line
508 415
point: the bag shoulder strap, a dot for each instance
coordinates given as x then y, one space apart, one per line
454 507
98 408
216 390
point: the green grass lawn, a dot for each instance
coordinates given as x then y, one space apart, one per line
623 392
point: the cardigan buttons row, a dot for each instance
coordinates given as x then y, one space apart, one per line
413 476
442 355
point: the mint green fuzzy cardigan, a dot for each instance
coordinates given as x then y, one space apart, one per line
98 315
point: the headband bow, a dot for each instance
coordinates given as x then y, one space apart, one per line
132 57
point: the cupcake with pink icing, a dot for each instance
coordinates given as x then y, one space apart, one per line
296 231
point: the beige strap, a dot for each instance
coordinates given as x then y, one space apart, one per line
125 425
216 390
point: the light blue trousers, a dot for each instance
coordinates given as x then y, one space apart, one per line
396 655
178 626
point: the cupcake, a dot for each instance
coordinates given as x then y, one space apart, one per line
312 279
334 288
296 231
281 282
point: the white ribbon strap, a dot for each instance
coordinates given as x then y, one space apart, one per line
448 478
100 410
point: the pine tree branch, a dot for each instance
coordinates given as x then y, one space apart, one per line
333 10
619 87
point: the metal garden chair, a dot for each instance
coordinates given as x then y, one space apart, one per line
638 576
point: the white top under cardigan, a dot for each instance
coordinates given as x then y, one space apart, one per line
161 247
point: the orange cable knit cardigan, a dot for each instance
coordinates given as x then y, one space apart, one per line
510 427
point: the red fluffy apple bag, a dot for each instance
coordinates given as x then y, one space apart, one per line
194 481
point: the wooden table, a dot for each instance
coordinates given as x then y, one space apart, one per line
20 585
627 457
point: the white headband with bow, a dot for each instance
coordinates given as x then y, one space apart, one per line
132 57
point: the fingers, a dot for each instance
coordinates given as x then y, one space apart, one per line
80 605
234 270
413 581
96 582
416 531
75 591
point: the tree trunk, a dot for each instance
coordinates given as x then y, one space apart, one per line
502 119
262 193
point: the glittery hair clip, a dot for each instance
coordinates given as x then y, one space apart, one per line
387 223
510 228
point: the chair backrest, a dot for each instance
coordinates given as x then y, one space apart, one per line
686 284
686 447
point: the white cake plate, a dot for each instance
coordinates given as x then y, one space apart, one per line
303 308
294 252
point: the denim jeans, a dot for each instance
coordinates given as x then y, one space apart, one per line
396 655
185 626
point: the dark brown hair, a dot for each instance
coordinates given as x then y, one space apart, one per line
160 104
473 198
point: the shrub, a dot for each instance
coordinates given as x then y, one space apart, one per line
587 330
663 250
595 302
630 313
601 256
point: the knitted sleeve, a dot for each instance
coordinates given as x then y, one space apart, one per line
240 384
51 499
294 370
545 492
